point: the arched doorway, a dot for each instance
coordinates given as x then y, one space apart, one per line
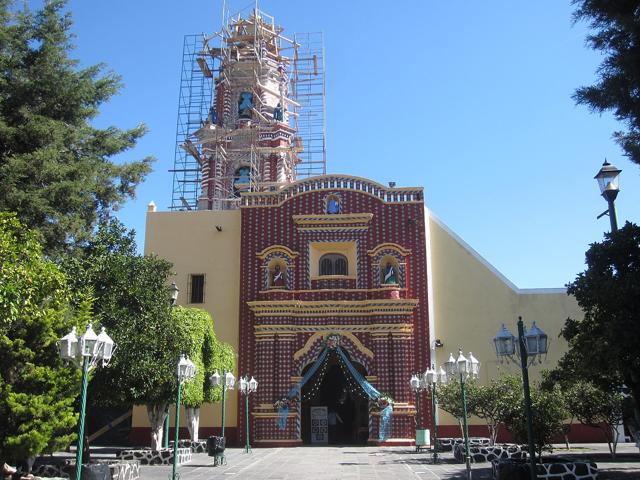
334 387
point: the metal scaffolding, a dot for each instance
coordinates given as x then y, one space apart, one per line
203 67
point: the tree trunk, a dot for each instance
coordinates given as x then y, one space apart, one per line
156 414
493 432
193 421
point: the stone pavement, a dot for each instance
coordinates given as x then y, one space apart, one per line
354 463
319 463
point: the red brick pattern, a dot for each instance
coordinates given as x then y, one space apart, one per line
267 220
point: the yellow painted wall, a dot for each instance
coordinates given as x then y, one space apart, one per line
471 300
191 242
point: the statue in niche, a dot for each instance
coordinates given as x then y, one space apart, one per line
241 181
245 105
333 205
390 275
277 113
278 277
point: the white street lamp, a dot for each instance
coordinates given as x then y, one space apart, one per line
185 371
247 387
85 352
227 380
466 368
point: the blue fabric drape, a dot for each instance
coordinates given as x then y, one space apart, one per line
283 412
369 389
385 422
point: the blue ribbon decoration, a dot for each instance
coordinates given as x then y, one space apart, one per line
385 422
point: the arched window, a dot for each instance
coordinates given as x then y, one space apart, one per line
333 264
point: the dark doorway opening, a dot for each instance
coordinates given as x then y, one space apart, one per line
347 405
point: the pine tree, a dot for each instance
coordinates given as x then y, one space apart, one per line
56 169
616 34
37 392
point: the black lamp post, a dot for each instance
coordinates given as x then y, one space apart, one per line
531 344
608 181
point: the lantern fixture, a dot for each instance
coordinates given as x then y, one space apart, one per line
415 383
68 346
88 342
229 380
186 369
505 342
253 385
609 183
215 379
608 180
105 346
534 340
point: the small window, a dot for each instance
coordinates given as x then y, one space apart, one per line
196 289
333 264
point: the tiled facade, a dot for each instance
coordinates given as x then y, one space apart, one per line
384 328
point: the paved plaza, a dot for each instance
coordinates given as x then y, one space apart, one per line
362 463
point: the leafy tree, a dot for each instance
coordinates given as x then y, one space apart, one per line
598 408
449 398
198 341
603 345
490 401
37 391
616 33
132 301
549 412
56 169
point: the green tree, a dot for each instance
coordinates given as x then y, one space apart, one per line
132 300
548 412
56 169
603 345
601 409
197 340
490 402
449 398
615 29
37 391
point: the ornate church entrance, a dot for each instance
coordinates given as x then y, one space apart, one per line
343 414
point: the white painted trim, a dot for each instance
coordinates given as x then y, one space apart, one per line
494 270
541 291
430 296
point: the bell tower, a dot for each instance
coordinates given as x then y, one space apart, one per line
250 114
248 141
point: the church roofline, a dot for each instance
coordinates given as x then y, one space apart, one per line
333 182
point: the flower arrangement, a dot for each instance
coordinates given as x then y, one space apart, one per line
333 341
285 402
384 401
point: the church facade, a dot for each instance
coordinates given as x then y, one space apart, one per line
333 289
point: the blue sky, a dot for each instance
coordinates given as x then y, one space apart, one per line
471 100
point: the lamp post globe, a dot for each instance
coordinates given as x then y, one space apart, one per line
608 178
185 371
86 352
